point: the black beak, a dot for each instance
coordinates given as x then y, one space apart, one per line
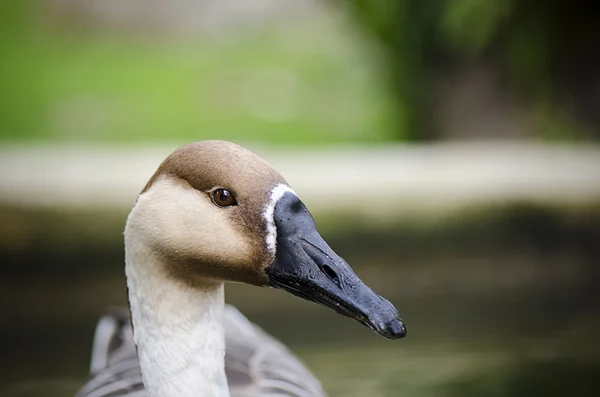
307 267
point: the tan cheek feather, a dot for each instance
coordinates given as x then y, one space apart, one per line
183 223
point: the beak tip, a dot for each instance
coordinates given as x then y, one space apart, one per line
395 329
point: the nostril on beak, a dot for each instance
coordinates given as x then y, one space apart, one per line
331 274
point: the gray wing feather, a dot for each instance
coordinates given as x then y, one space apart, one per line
256 364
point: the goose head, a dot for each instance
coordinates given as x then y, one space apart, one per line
217 212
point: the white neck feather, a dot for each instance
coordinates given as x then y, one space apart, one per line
178 329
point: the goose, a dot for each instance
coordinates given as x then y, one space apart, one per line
215 212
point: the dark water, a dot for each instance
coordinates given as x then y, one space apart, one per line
503 304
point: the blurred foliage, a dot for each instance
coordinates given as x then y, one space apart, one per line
312 81
70 80
547 53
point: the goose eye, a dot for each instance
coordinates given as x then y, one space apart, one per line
223 198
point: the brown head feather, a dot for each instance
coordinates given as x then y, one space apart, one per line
203 166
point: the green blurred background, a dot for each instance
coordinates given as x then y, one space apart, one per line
390 116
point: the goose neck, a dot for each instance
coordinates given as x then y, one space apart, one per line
178 329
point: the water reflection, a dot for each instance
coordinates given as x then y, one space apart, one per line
499 305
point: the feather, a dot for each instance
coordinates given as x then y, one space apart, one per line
256 364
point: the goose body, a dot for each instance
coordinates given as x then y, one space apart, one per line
215 212
255 363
